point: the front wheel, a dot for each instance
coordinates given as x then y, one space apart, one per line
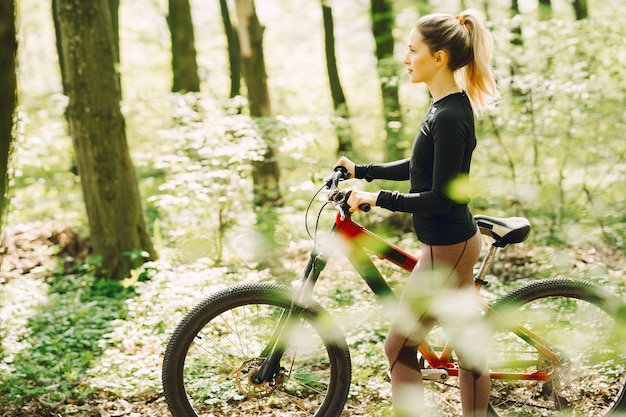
580 321
216 350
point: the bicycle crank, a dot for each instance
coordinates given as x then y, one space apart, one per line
434 374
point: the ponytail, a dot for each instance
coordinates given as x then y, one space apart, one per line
468 45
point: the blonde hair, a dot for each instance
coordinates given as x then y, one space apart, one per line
468 46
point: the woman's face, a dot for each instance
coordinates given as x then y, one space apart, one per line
419 60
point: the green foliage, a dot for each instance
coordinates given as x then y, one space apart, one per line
63 339
555 142
208 179
132 351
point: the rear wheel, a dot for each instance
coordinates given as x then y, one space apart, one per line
576 318
581 322
218 347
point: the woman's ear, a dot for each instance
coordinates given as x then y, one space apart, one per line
441 58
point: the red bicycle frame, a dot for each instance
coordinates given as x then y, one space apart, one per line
356 240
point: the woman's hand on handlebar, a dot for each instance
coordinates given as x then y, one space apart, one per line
347 164
358 198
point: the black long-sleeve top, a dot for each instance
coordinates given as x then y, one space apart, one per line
440 161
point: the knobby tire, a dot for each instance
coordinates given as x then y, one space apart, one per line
216 350
581 320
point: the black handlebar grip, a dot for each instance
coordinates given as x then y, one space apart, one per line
365 207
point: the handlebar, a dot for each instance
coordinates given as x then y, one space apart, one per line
340 197
339 174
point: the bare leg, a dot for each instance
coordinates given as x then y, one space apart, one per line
401 349
475 389
406 380
466 332
444 273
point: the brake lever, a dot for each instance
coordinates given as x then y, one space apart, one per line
339 174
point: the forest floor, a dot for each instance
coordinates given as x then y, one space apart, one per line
35 250
133 407
40 250
27 252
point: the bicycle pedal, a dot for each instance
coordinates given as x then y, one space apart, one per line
434 374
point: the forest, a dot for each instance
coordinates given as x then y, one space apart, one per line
156 151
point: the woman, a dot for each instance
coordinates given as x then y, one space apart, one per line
450 54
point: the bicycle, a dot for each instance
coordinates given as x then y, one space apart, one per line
256 348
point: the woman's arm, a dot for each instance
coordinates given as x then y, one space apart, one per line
397 171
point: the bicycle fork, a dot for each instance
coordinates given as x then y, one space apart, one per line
303 293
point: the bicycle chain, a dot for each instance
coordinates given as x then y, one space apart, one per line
501 399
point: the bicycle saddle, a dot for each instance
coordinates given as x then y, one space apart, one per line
505 231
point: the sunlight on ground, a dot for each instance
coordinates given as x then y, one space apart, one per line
19 300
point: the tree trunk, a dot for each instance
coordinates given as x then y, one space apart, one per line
266 173
382 28
112 201
516 31
234 53
114 8
545 9
57 26
184 64
581 9
516 40
342 114
8 97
